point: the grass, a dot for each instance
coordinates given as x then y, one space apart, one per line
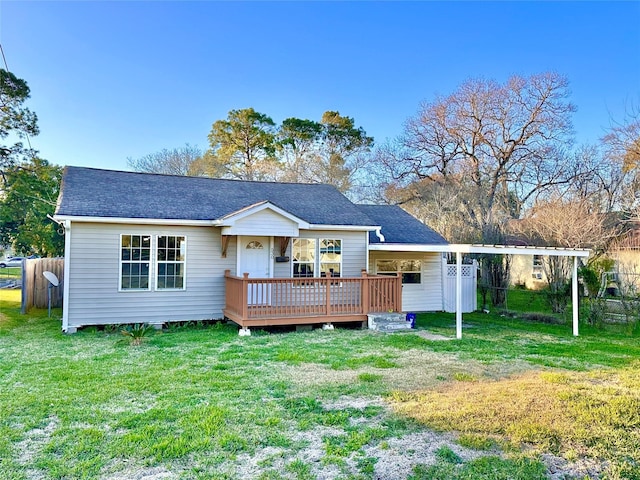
201 402
10 273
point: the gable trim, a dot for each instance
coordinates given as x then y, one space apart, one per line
230 219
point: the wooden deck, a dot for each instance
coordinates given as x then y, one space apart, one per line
252 302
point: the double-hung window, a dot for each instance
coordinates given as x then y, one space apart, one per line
135 262
171 254
330 257
141 256
537 267
316 257
303 257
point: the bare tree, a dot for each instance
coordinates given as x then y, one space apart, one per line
503 143
573 223
437 204
622 149
499 145
179 161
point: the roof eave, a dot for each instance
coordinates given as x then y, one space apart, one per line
138 221
487 249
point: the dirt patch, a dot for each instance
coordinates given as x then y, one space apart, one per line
559 469
34 441
354 402
431 336
398 456
140 473
312 374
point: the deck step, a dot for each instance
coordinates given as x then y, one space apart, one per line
388 322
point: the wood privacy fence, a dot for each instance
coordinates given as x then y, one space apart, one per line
35 286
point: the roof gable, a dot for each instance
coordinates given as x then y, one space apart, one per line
89 192
265 218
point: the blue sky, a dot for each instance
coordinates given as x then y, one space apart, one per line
111 80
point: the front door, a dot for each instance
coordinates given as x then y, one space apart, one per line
255 260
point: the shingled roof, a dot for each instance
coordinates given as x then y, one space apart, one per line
400 227
90 192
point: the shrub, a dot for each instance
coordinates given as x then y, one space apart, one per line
137 333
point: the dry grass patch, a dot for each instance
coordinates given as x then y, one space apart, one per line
592 415
415 370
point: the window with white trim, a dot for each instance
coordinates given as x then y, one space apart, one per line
411 269
135 261
171 253
330 257
303 257
537 269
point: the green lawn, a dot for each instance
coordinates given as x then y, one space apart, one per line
10 273
202 402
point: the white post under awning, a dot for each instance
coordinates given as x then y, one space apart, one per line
459 249
574 295
458 295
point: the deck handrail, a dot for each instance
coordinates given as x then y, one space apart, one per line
253 298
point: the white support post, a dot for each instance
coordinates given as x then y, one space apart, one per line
574 295
458 295
66 279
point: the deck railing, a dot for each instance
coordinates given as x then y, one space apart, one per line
282 298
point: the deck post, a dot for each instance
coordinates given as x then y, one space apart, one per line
399 292
458 295
245 296
327 287
365 293
574 295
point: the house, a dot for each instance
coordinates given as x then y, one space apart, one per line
623 249
421 269
625 253
528 271
148 248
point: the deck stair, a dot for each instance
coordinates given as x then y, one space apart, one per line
388 322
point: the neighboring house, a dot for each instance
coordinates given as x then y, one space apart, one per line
528 271
158 248
625 252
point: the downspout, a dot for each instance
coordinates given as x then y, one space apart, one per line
380 236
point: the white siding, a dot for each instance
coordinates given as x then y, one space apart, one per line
423 297
265 222
93 279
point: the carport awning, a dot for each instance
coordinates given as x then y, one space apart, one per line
481 248
459 249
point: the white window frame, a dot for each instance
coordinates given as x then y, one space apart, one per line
315 259
157 263
320 262
399 263
121 262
